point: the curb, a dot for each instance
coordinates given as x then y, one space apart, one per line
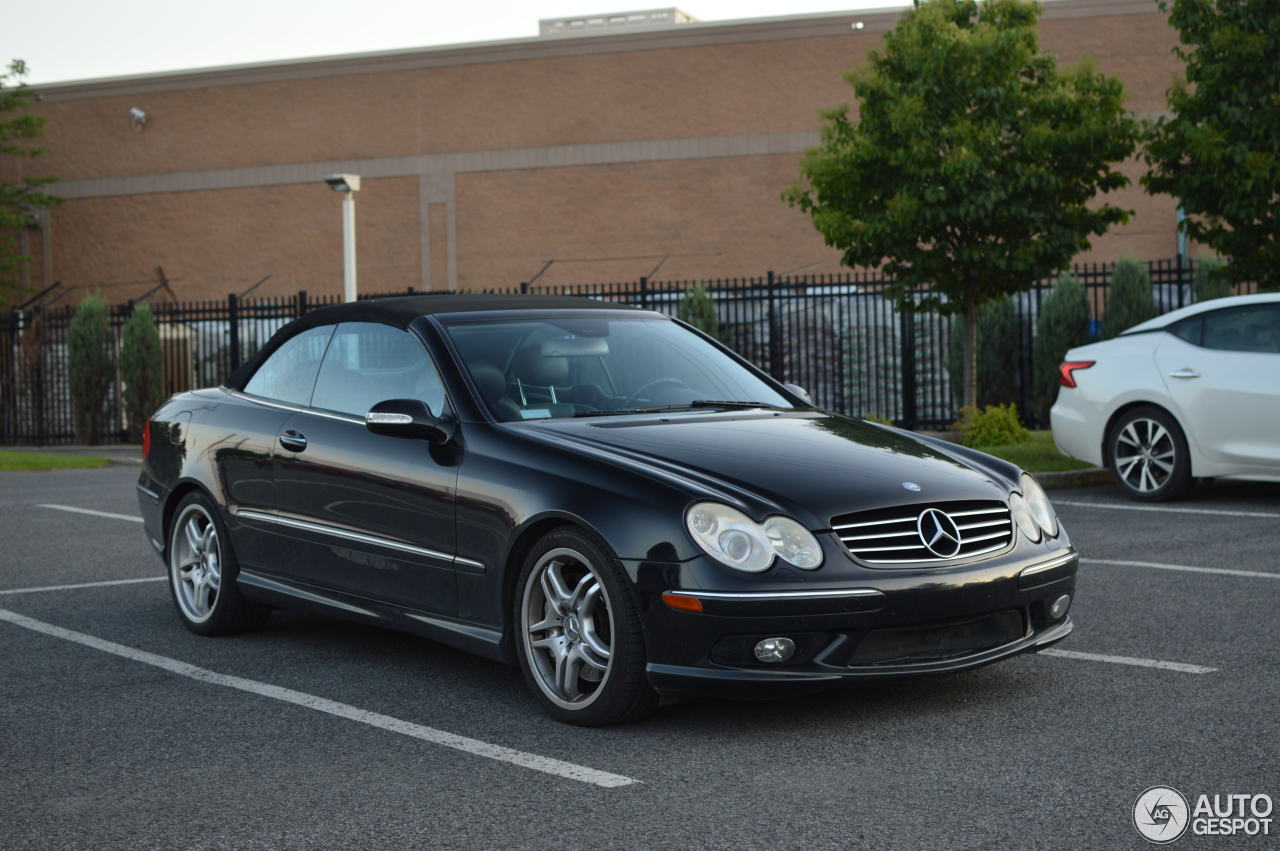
1075 478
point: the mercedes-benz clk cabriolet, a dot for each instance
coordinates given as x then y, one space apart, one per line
603 495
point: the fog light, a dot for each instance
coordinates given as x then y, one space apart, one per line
1059 607
775 649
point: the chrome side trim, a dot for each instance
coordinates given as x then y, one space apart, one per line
1058 561
468 562
155 496
297 409
751 596
346 534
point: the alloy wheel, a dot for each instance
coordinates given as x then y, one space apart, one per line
195 566
567 628
1145 454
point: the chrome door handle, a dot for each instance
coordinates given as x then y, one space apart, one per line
1185 372
294 441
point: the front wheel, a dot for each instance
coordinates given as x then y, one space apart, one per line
579 638
1149 455
202 572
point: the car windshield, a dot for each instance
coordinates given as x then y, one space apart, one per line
579 366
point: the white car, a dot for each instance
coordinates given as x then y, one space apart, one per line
1194 393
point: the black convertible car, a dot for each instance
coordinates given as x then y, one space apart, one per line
602 494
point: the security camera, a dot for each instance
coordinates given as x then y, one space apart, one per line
343 182
139 117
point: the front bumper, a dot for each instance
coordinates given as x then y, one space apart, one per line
895 624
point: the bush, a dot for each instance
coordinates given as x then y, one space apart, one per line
1210 280
1129 300
994 425
1063 324
998 346
699 310
89 369
141 368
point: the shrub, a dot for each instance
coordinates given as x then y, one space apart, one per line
699 310
1063 323
1210 280
994 425
89 369
141 368
1129 300
998 346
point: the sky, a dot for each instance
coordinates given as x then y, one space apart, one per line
63 40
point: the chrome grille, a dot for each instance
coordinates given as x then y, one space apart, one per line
891 535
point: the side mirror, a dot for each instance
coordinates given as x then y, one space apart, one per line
799 391
406 418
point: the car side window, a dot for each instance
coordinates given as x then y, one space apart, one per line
1189 330
369 363
1247 329
289 374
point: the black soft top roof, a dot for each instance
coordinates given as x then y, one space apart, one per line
400 311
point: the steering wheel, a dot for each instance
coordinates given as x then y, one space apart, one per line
650 385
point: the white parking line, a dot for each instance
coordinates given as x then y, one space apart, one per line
130 517
1165 509
1180 667
1185 568
476 747
82 585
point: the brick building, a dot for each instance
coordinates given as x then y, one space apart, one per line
605 149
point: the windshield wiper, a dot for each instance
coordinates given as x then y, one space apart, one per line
679 406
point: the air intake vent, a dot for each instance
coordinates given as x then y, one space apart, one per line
926 533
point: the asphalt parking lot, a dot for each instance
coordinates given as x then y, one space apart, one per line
120 728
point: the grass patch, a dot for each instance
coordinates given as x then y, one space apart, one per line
1037 455
26 461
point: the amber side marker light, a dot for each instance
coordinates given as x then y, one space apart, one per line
1065 372
681 602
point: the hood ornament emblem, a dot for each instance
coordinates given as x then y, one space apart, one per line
911 486
938 533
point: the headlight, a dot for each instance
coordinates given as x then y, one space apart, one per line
1022 516
733 538
1039 504
793 543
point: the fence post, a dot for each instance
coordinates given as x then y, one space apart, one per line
233 344
907 356
644 291
302 302
775 335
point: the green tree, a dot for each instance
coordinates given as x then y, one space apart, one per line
1063 323
698 309
20 200
141 369
1129 298
89 368
974 163
1210 280
1219 150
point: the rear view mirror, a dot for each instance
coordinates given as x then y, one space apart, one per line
799 391
406 418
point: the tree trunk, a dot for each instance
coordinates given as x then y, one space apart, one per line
970 370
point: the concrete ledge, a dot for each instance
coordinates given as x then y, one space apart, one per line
1075 478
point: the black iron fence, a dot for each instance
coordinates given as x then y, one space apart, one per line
838 336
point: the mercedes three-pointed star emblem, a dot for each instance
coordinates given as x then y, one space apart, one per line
938 533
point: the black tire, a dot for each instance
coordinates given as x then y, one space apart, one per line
1147 452
558 633
203 571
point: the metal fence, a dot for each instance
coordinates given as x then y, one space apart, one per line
836 335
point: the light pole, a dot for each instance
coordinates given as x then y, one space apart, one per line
348 185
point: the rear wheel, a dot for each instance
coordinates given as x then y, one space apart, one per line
202 572
579 638
1149 455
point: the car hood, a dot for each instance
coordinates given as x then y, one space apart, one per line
811 465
